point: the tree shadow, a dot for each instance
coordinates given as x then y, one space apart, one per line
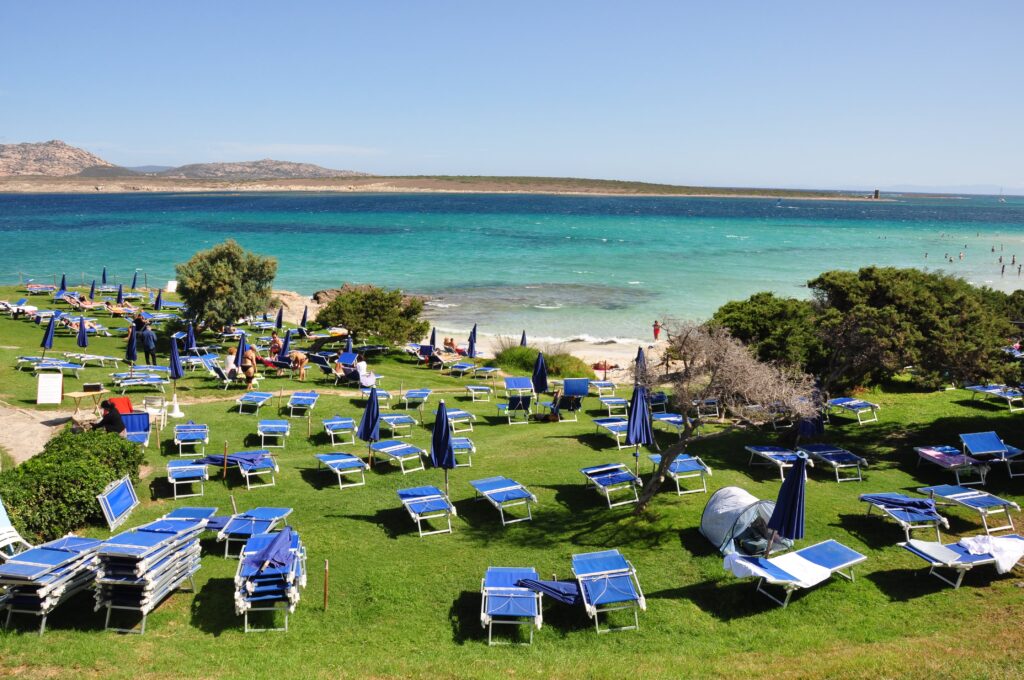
902 585
319 478
464 617
213 607
695 543
734 600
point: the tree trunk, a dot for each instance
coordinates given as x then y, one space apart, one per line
667 456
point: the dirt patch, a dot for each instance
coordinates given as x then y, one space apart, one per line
23 432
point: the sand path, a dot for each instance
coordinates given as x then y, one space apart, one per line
24 432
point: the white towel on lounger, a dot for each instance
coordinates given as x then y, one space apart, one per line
1006 550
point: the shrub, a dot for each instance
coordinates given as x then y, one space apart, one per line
520 360
225 283
370 313
55 492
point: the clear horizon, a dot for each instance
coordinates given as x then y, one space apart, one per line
914 96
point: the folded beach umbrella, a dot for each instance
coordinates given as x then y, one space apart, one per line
92 290
433 337
242 348
159 304
442 455
285 346
638 425
369 426
787 519
640 367
131 352
63 282
471 350
279 322
266 317
522 340
540 374
135 279
190 338
103 279
305 316
177 371
276 554
348 343
47 342
83 333
566 592
120 294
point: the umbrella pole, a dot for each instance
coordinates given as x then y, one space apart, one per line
771 540
446 481
327 576
636 455
224 476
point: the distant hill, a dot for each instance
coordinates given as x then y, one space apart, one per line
150 169
107 171
51 159
264 169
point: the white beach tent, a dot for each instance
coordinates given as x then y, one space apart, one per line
735 521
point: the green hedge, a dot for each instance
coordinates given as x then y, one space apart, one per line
55 492
560 364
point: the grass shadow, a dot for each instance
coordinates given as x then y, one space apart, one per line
395 522
319 478
213 607
74 615
902 585
464 617
735 600
694 542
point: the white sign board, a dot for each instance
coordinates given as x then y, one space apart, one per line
50 388
172 287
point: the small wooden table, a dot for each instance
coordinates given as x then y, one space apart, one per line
79 396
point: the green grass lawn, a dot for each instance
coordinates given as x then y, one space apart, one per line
402 606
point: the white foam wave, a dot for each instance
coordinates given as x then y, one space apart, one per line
554 306
440 305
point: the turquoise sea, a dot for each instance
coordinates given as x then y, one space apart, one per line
557 266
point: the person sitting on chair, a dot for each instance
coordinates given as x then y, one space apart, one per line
111 421
366 376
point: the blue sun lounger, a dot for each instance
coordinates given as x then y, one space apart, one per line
303 402
270 576
136 428
253 400
781 458
338 427
485 372
1010 395
838 458
186 473
11 542
42 578
981 502
398 421
676 421
988 445
798 570
909 513
685 467
616 426
425 503
460 420
570 401
141 381
608 583
518 386
603 387
251 465
950 458
613 478
117 501
506 603
858 407
461 369
502 493
517 409
951 557
416 398
242 526
192 435
615 404
479 392
383 397
275 430
400 453
344 465
463 446
57 365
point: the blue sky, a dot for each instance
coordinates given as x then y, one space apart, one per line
787 94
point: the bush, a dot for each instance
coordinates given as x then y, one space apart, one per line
560 364
374 314
225 283
55 492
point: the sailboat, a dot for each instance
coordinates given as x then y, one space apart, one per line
1002 199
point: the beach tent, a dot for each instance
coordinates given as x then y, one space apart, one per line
735 521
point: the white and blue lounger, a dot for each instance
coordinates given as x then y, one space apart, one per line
425 503
505 603
613 478
383 397
518 386
517 408
615 405
838 458
463 446
616 426
804 568
461 369
988 445
117 501
955 557
608 583
460 420
338 427
142 381
950 458
270 585
685 467
244 525
1008 394
344 465
186 473
676 421
398 421
416 398
982 502
479 392
603 387
909 513
303 402
254 400
193 435
502 493
275 430
858 407
400 453
781 458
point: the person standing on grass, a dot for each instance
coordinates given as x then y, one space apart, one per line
657 329
147 338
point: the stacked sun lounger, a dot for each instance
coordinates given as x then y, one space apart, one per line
40 579
242 526
139 568
271 574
